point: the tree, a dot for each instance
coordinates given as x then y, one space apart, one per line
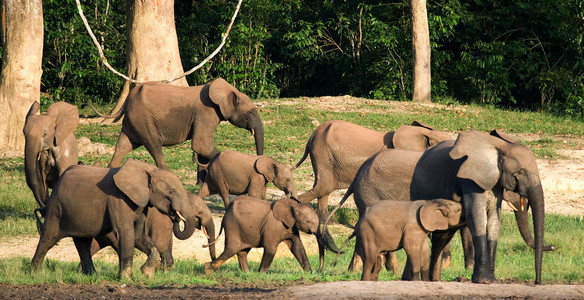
20 80
152 44
421 52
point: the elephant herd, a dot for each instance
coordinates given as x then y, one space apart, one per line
408 184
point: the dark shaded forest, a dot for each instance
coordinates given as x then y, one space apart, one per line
526 54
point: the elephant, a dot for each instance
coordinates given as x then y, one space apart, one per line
50 146
158 114
465 171
90 202
338 148
393 225
387 176
160 229
238 173
251 222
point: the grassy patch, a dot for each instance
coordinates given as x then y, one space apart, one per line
288 125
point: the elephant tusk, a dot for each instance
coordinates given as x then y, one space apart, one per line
252 131
512 206
180 216
521 199
205 232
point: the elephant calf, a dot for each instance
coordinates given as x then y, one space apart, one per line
250 222
239 173
392 225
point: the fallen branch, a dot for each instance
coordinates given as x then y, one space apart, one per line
105 62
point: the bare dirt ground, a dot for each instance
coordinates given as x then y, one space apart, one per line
562 180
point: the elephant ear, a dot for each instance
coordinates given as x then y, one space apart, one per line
66 120
482 158
282 210
418 124
223 95
503 136
434 216
34 109
265 166
133 179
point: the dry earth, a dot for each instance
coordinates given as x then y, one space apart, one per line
562 180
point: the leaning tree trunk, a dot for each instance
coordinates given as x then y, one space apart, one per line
20 80
152 44
421 52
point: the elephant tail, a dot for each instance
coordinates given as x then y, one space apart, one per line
213 242
117 115
306 150
343 245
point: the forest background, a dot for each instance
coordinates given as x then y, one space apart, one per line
526 55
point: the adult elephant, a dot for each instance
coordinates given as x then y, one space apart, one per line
338 148
50 146
158 114
466 170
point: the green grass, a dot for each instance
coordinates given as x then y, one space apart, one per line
287 128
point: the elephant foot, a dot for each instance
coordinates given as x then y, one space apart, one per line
446 261
484 278
208 269
148 271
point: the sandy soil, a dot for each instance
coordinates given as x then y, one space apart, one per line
562 180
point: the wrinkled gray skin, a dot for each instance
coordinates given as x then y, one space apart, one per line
232 172
392 225
338 148
50 146
158 114
159 227
251 222
90 202
466 170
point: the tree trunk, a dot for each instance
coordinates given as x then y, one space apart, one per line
152 44
20 80
421 52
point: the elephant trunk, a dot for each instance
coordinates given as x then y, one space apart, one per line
523 226
209 226
189 228
258 131
536 201
33 172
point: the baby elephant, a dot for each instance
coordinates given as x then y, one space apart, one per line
391 225
251 222
232 172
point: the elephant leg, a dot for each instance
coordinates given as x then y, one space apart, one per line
413 250
475 208
101 242
467 246
210 267
356 261
376 268
49 238
242 259
391 262
123 147
204 191
297 249
155 150
83 246
126 253
269 253
146 245
446 257
439 241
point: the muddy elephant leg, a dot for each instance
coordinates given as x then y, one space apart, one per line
242 259
126 252
83 246
446 257
123 147
146 245
391 262
356 262
376 268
